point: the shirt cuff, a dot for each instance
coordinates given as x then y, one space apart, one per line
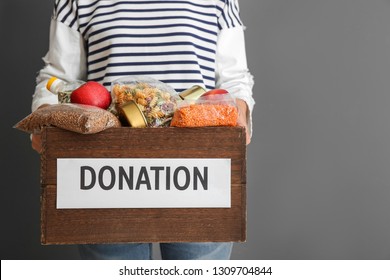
232 72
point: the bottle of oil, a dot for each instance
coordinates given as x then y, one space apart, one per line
62 88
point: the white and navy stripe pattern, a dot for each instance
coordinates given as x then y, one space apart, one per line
172 41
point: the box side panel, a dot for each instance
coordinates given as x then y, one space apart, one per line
78 226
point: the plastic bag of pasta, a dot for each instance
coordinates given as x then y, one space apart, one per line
143 101
208 110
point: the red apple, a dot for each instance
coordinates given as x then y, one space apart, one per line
91 93
214 94
215 91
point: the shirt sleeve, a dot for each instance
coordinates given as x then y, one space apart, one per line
232 71
66 57
229 16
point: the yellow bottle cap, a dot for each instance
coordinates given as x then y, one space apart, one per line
50 82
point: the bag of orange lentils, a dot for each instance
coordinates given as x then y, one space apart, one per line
208 110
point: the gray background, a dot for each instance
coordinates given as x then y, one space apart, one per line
318 165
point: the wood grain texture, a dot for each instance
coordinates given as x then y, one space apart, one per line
80 226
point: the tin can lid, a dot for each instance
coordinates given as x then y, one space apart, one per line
192 93
133 114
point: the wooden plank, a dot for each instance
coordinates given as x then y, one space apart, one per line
145 143
79 226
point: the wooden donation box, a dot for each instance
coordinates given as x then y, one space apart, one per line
143 185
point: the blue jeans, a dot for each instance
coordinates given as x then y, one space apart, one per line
169 251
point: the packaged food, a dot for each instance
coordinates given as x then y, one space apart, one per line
209 110
155 100
79 118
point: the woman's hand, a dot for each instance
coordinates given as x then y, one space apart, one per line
36 142
242 119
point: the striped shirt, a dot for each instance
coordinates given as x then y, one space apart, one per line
179 42
172 41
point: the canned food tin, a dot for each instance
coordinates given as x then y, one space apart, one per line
133 114
192 93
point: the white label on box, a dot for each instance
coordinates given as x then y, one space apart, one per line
143 183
